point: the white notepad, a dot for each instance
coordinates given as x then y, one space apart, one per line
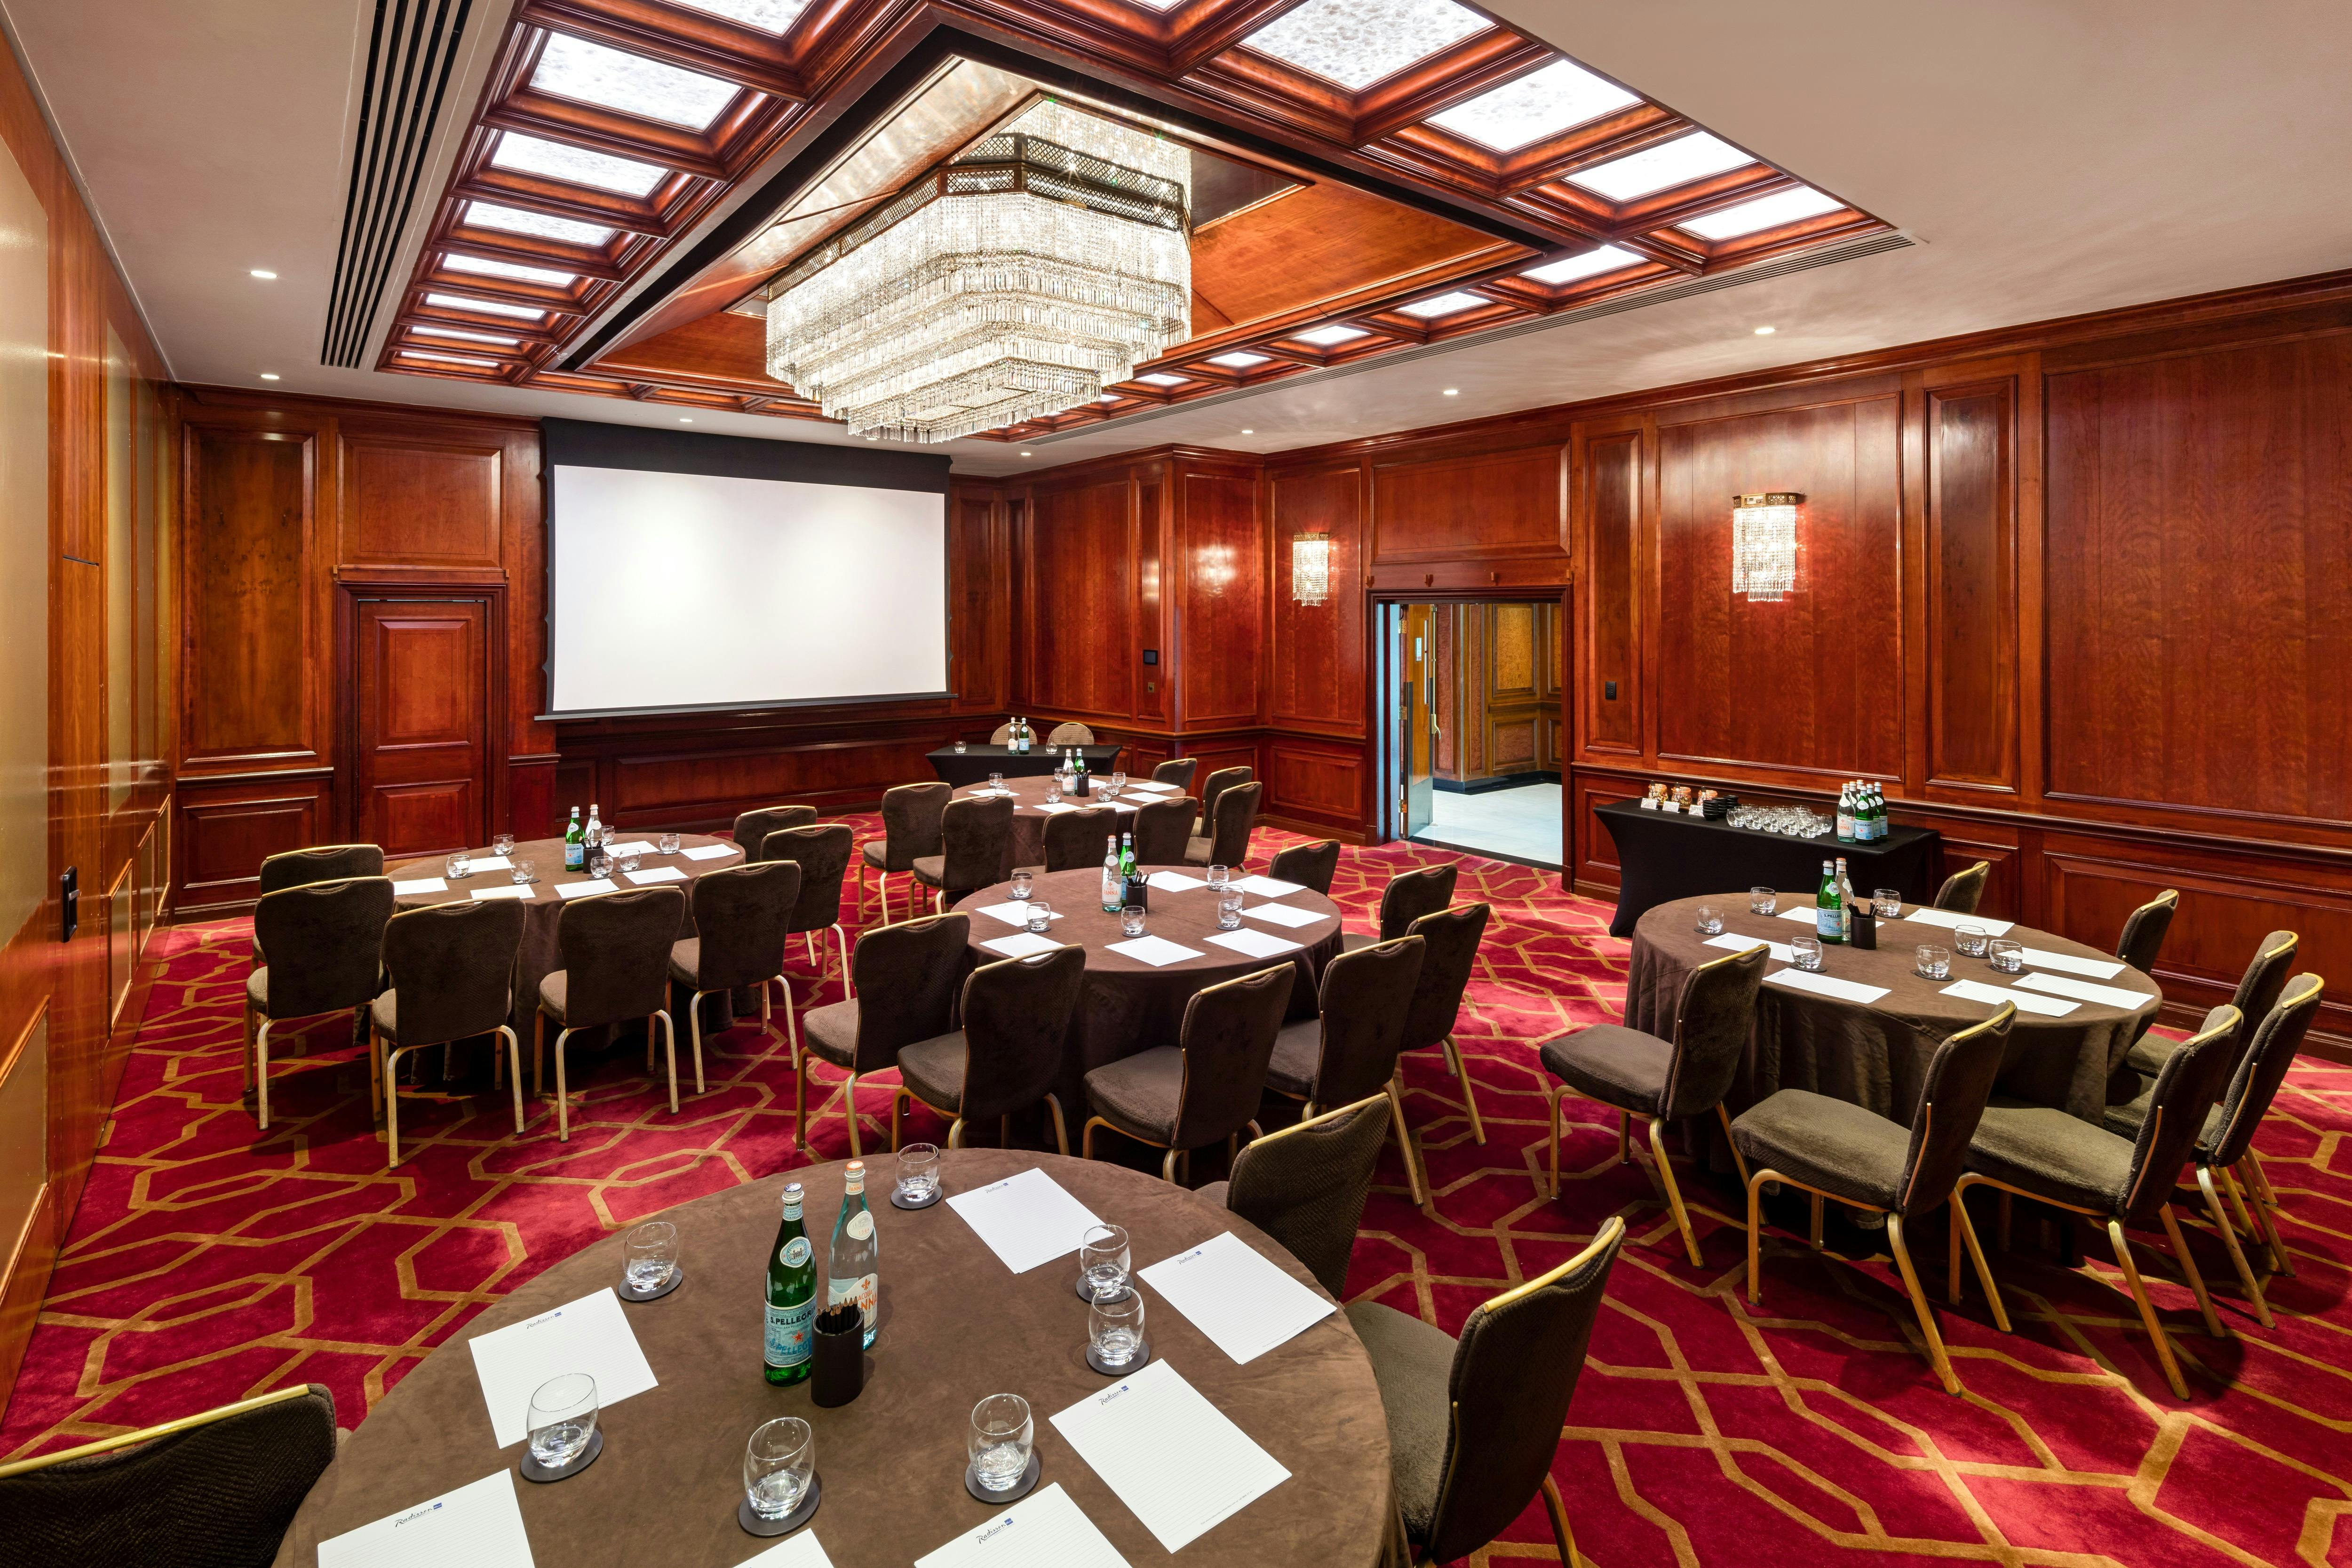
590 1335
582 889
1055 808
1282 915
656 874
1237 1296
480 1525
2096 968
2027 1001
1737 943
1269 886
1021 945
1947 919
633 846
1174 881
1804 914
1026 1219
2113 995
1153 787
984 790
1826 986
421 885
801 1550
490 863
505 891
1012 912
1176 1460
1045 1529
1155 951
1256 943
711 851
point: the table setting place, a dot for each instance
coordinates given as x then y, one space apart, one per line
601 864
1033 917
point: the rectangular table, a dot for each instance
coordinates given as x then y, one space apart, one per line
977 762
1663 856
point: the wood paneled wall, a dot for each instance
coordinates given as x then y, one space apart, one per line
1498 684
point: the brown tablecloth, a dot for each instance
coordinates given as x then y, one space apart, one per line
1875 1055
1128 1006
955 1326
1030 816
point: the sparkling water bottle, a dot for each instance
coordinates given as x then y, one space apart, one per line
851 1271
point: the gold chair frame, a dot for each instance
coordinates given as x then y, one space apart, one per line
385 1077
148 1434
1665 1167
562 1088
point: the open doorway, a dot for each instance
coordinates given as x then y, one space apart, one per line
1471 700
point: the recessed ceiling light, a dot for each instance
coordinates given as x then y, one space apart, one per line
1763 213
1561 97
1240 359
1591 264
485 307
1249 432
514 220
1357 42
493 339
684 420
1661 168
629 84
484 267
1161 378
768 15
270 375
265 274
1452 392
1026 454
449 359
576 165
1451 304
1109 398
1765 331
1331 336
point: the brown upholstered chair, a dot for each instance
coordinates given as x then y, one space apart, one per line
975 838
1074 838
1309 864
822 852
1962 889
1008 1052
1834 1149
2041 1152
1449 952
1304 1185
910 827
1204 1089
1349 1049
1409 896
1072 733
327 938
1177 771
2144 929
1638 1073
743 919
909 977
213 1491
1231 819
2257 994
452 968
1163 830
1218 782
615 950
322 863
751 828
1475 1423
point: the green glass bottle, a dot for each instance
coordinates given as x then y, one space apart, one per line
791 1297
1829 908
575 849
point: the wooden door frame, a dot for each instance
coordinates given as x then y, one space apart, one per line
492 595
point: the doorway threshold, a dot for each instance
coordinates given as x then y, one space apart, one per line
1426 842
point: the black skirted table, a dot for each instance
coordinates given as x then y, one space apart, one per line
1663 856
975 762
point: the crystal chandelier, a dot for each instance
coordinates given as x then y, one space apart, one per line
1311 568
1014 282
1768 557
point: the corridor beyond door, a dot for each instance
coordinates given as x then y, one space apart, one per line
1494 678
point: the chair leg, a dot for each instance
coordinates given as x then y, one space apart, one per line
2261 1176
649 1044
1813 1220
2146 1309
669 1048
1563 1539
1674 1193
1469 1096
1557 1099
1942 1363
391 1108
1756 1234
538 1051
562 1091
247 1053
1168 1167
1967 1231
375 1069
1416 1180
694 1027
800 1106
791 1023
2228 1233
514 1059
2188 1269
2004 1220
1061 1132
849 1105
841 942
1624 1137
1738 1161
262 1071
882 883
2261 1222
955 1135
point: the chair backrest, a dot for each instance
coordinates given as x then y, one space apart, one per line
1951 1103
1002 735
1304 1185
1017 1017
1712 1020
2144 929
1228 1039
1309 864
1366 996
1074 838
1413 894
217 1491
453 966
751 828
822 855
974 837
1070 734
323 863
911 822
2258 987
2186 1088
742 917
1514 1370
1450 951
909 977
615 950
1962 889
1215 785
1163 830
1230 821
323 943
1178 771
2261 1068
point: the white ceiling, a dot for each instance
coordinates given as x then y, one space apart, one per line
2047 157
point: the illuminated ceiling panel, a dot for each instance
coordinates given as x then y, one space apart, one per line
1763 213
1591 264
767 16
576 165
1331 336
1357 42
462 336
1661 168
486 268
1451 304
1561 97
629 84
485 307
515 220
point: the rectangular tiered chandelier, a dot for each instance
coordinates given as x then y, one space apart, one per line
1017 280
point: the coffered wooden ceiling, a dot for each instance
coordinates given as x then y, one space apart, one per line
1446 175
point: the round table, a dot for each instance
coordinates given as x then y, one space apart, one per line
1030 814
1128 1006
955 1326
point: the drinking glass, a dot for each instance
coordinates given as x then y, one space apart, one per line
599 863
996 780
1041 916
526 872
1219 876
1130 919
1710 920
1118 783
1970 940
1001 1437
629 862
1115 1328
777 1464
1763 901
1053 789
562 1419
2007 956
461 864
651 1253
1886 903
1934 962
669 843
1229 910
1021 881
1808 952
503 844
959 748
919 1172
1103 1261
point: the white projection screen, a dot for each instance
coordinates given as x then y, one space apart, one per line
693 590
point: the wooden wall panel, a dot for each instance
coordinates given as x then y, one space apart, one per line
420 498
1484 507
1971 597
979 640
1314 783
1224 564
228 826
1610 607
249 604
1081 650
1316 665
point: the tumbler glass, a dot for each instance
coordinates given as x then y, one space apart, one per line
1808 952
526 872
996 780
1130 919
1103 1261
1115 1328
919 1172
651 1250
1710 920
669 843
2007 956
1971 940
1886 903
1763 901
1021 884
1219 876
502 844
1001 1438
562 1419
1229 910
777 1464
958 747
1934 962
459 864
1041 916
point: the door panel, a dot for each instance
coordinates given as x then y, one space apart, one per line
421 762
1416 713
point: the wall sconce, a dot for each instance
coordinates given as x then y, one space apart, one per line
1768 548
1311 568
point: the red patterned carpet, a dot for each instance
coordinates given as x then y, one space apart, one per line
208 1263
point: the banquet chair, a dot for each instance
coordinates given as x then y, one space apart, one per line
1070 734
1450 941
909 977
1163 830
1409 896
1348 1049
1962 889
822 855
742 920
322 863
329 941
751 829
910 827
1305 1184
1007 1053
615 949
1177 771
1309 864
1216 784
2257 994
1074 838
1639 1074
2043 1153
1834 1149
1232 819
1204 1089
452 968
2144 931
1474 1423
216 1489
975 838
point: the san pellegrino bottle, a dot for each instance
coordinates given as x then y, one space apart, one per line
575 850
1125 863
1845 901
852 1271
792 1296
1845 828
1114 888
1829 915
1877 814
595 831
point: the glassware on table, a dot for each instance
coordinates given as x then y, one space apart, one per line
599 864
1971 940
1002 1434
1219 876
1934 962
1041 916
525 871
958 747
2007 956
461 864
1115 1328
1118 783
919 1172
1104 1262
1130 919
1710 920
1229 910
996 780
562 1419
778 1462
1763 901
1021 884
667 843
628 862
1808 952
1053 789
1886 903
651 1251
502 844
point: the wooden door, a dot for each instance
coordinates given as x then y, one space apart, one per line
1417 714
420 756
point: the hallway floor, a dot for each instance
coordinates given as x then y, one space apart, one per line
1522 823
